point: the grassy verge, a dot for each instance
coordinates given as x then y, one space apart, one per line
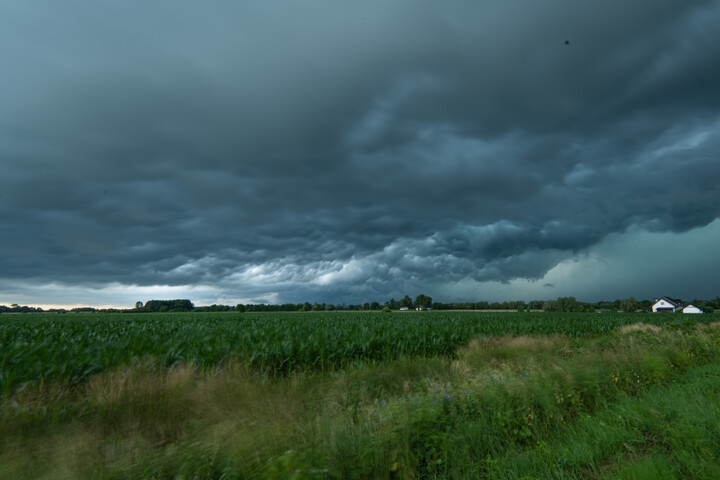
670 431
639 402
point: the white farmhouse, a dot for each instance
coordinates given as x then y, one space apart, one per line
691 309
666 304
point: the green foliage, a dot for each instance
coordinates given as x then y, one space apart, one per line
563 304
567 304
423 301
550 306
293 465
629 305
179 305
406 302
631 403
71 347
663 431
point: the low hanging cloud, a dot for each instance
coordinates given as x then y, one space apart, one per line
341 153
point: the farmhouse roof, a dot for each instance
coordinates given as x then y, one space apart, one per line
676 302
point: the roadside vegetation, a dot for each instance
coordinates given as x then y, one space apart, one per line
514 396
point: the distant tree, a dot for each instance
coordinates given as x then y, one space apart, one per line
138 305
550 306
374 306
562 304
81 309
212 308
605 305
178 305
181 305
406 302
240 307
567 304
714 303
423 301
629 305
535 305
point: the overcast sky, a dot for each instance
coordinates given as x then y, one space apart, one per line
265 151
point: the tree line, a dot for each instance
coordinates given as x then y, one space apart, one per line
421 302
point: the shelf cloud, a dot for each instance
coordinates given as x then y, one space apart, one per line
258 151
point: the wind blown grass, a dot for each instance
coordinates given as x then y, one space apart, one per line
631 403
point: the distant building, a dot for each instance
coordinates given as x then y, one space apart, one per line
691 309
667 304
404 308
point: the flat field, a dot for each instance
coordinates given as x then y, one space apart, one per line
359 395
70 347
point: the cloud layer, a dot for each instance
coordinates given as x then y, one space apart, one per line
344 153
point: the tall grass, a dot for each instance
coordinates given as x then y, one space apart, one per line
639 403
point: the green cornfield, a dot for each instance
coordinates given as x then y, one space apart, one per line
69 347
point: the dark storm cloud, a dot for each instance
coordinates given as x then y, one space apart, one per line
344 151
